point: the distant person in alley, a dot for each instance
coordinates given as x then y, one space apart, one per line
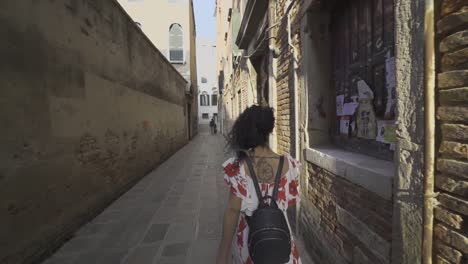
262 185
212 125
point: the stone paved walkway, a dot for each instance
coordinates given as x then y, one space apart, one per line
172 216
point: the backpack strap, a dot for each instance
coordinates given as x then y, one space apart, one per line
278 177
254 178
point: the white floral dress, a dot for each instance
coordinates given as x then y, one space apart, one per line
243 187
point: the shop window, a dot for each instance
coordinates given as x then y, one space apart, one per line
353 45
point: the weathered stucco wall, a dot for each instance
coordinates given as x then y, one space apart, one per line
409 182
87 106
451 178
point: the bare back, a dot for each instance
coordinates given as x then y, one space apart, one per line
266 166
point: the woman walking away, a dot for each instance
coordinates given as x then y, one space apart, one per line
262 186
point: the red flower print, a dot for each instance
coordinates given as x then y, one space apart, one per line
249 261
233 190
295 252
242 225
293 163
242 190
282 183
232 169
293 187
240 232
240 240
281 195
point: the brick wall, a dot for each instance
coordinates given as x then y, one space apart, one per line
88 106
342 222
240 80
451 179
339 221
284 87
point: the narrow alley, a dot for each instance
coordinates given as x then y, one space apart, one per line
173 215
114 116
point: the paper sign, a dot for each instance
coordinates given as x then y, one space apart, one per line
386 132
364 90
339 105
350 108
366 119
344 126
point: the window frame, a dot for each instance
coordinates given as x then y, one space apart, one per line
204 99
373 173
182 61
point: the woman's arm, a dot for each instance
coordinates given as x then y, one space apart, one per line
231 217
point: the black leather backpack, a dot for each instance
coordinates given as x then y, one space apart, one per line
269 235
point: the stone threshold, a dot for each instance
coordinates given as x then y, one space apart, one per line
371 173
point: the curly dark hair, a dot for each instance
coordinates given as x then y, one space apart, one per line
251 129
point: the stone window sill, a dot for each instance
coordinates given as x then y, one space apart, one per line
373 174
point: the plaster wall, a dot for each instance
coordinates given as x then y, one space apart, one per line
156 17
408 186
206 51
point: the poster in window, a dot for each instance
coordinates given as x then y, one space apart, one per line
350 108
366 121
386 131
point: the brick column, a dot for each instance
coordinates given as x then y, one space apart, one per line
451 179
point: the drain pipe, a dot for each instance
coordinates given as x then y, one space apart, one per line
429 150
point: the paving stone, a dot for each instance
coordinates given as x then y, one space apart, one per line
175 249
181 232
144 254
112 256
209 230
172 260
204 251
172 215
137 228
157 232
